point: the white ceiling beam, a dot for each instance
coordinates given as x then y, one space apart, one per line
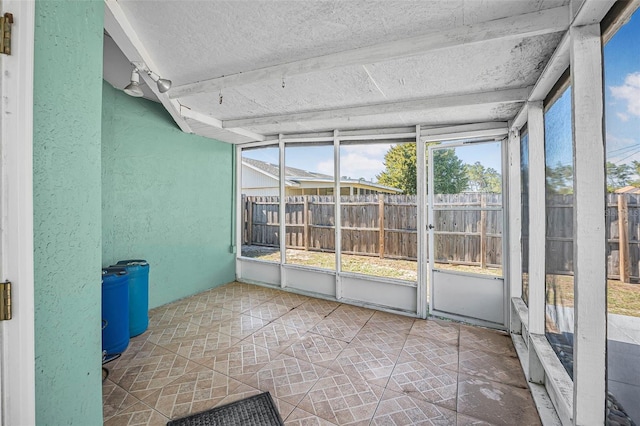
526 25
464 131
591 12
484 98
214 122
123 34
557 65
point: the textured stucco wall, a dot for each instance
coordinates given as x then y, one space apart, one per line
166 198
66 187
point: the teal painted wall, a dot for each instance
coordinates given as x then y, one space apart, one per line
67 238
166 198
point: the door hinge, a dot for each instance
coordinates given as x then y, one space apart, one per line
5 33
5 301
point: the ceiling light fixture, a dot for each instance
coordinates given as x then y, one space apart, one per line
133 89
163 83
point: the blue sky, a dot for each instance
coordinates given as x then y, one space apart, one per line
622 93
622 107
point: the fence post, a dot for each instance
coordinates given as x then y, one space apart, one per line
305 221
623 237
483 231
381 224
249 207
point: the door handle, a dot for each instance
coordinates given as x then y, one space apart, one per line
430 226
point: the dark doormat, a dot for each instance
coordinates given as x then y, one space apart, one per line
258 410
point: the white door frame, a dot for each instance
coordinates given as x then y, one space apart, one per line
460 276
16 217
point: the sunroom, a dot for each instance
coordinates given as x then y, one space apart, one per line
470 161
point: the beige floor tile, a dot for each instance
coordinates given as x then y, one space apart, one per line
331 360
138 349
319 306
496 403
287 378
241 360
290 300
432 384
275 336
143 375
499 368
381 338
167 334
168 315
463 420
315 348
238 303
115 399
436 330
401 409
301 319
239 326
263 293
494 341
429 352
191 393
353 314
257 292
342 399
224 294
201 346
391 322
138 414
268 311
363 363
245 391
284 408
211 316
337 328
300 417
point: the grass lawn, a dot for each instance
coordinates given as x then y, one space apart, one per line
623 299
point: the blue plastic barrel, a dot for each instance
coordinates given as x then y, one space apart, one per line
115 310
138 271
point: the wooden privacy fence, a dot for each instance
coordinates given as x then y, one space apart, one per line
622 220
379 225
386 226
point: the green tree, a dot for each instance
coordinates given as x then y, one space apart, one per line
449 172
401 170
560 179
483 179
619 176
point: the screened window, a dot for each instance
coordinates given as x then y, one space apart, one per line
524 238
559 192
622 118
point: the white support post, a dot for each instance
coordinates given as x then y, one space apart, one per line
282 212
587 101
513 212
337 218
537 218
422 305
537 232
239 206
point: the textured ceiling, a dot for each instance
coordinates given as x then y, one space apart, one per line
190 41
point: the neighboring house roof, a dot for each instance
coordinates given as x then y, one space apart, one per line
294 176
628 190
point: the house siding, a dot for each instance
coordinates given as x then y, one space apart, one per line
166 197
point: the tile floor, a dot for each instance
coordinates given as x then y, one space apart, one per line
323 362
